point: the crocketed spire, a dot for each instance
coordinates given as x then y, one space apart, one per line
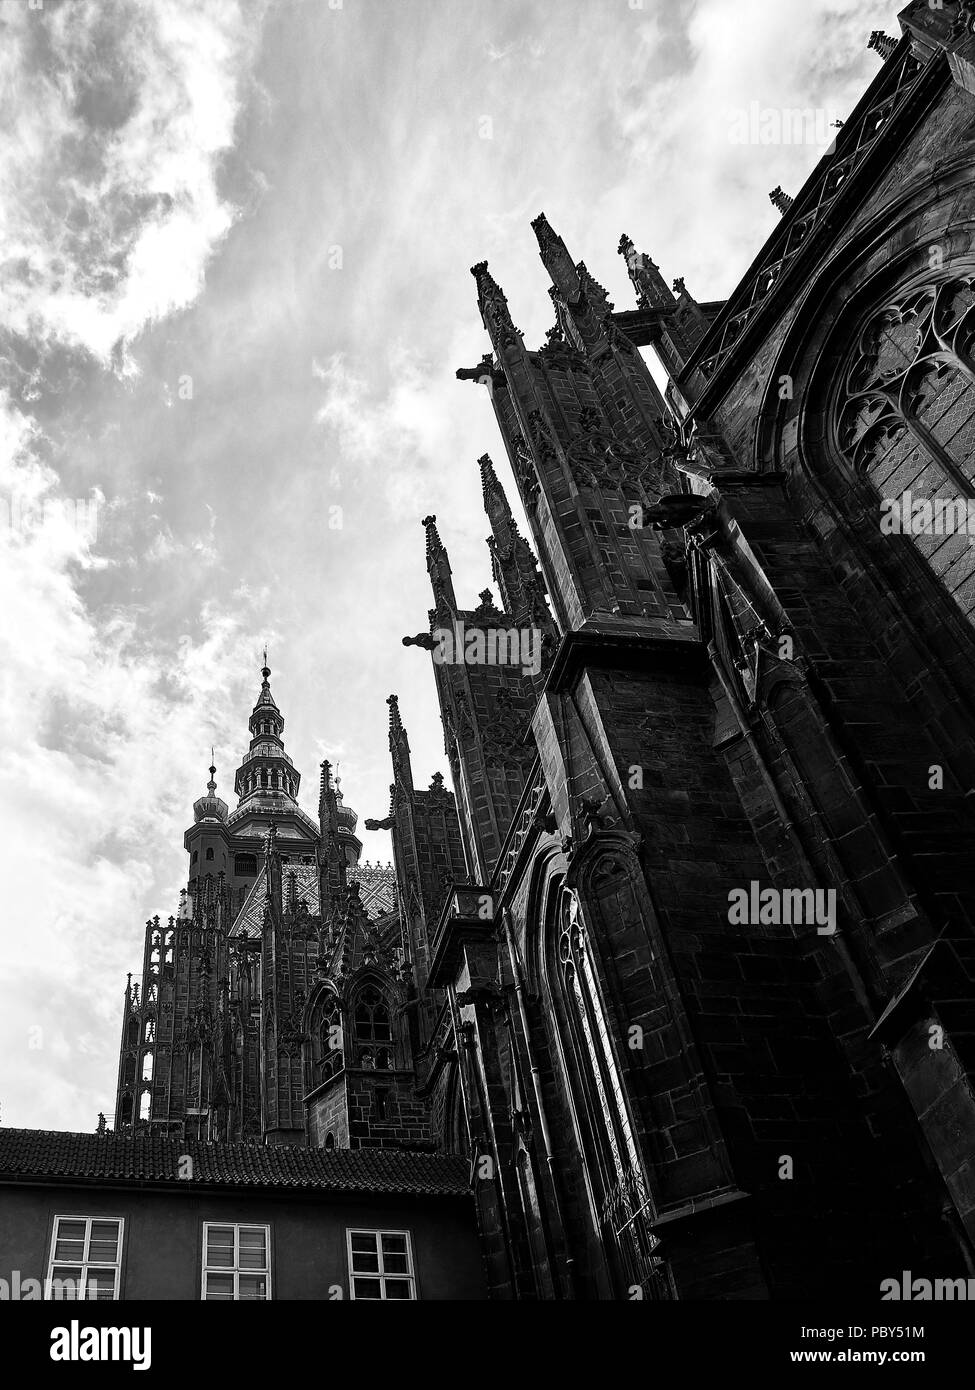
438 568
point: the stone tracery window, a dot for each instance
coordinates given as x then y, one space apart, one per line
330 1038
373 1030
906 418
624 1199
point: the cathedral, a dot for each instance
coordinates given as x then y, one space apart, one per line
681 963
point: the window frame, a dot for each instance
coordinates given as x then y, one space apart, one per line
234 1269
85 1264
409 1278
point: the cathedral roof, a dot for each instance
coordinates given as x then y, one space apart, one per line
377 889
28 1155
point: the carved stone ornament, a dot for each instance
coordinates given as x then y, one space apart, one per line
501 736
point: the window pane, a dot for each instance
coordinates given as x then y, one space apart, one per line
219 1286
220 1246
363 1240
365 1264
396 1264
394 1245
253 1248
101 1286
64 1284
103 1246
367 1288
253 1286
398 1288
70 1243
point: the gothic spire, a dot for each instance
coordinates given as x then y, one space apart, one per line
334 861
513 565
494 308
557 261
399 746
581 302
652 291
438 568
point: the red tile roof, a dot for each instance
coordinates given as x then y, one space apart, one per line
46 1155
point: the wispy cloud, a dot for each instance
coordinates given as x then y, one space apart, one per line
115 121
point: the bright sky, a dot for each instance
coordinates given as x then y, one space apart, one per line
234 288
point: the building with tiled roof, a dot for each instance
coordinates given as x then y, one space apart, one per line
136 1216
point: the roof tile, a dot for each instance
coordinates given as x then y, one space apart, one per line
46 1154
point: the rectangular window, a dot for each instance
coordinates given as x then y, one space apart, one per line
245 864
86 1259
236 1262
381 1265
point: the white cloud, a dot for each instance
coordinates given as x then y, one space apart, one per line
115 122
108 173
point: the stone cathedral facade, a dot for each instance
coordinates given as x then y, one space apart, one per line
685 962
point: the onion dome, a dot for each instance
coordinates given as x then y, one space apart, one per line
210 807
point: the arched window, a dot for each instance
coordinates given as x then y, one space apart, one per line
905 420
330 1141
373 1029
330 1038
610 1147
209 853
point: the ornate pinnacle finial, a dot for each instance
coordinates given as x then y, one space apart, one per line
543 231
635 260
211 785
494 307
395 723
781 200
882 43
487 287
489 478
435 545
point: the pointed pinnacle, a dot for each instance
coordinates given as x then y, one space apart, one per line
395 722
543 231
489 478
434 543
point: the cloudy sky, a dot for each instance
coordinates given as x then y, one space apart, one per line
235 240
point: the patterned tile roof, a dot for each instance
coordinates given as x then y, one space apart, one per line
377 888
27 1154
250 918
377 891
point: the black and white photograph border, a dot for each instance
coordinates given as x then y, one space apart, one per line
609 939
